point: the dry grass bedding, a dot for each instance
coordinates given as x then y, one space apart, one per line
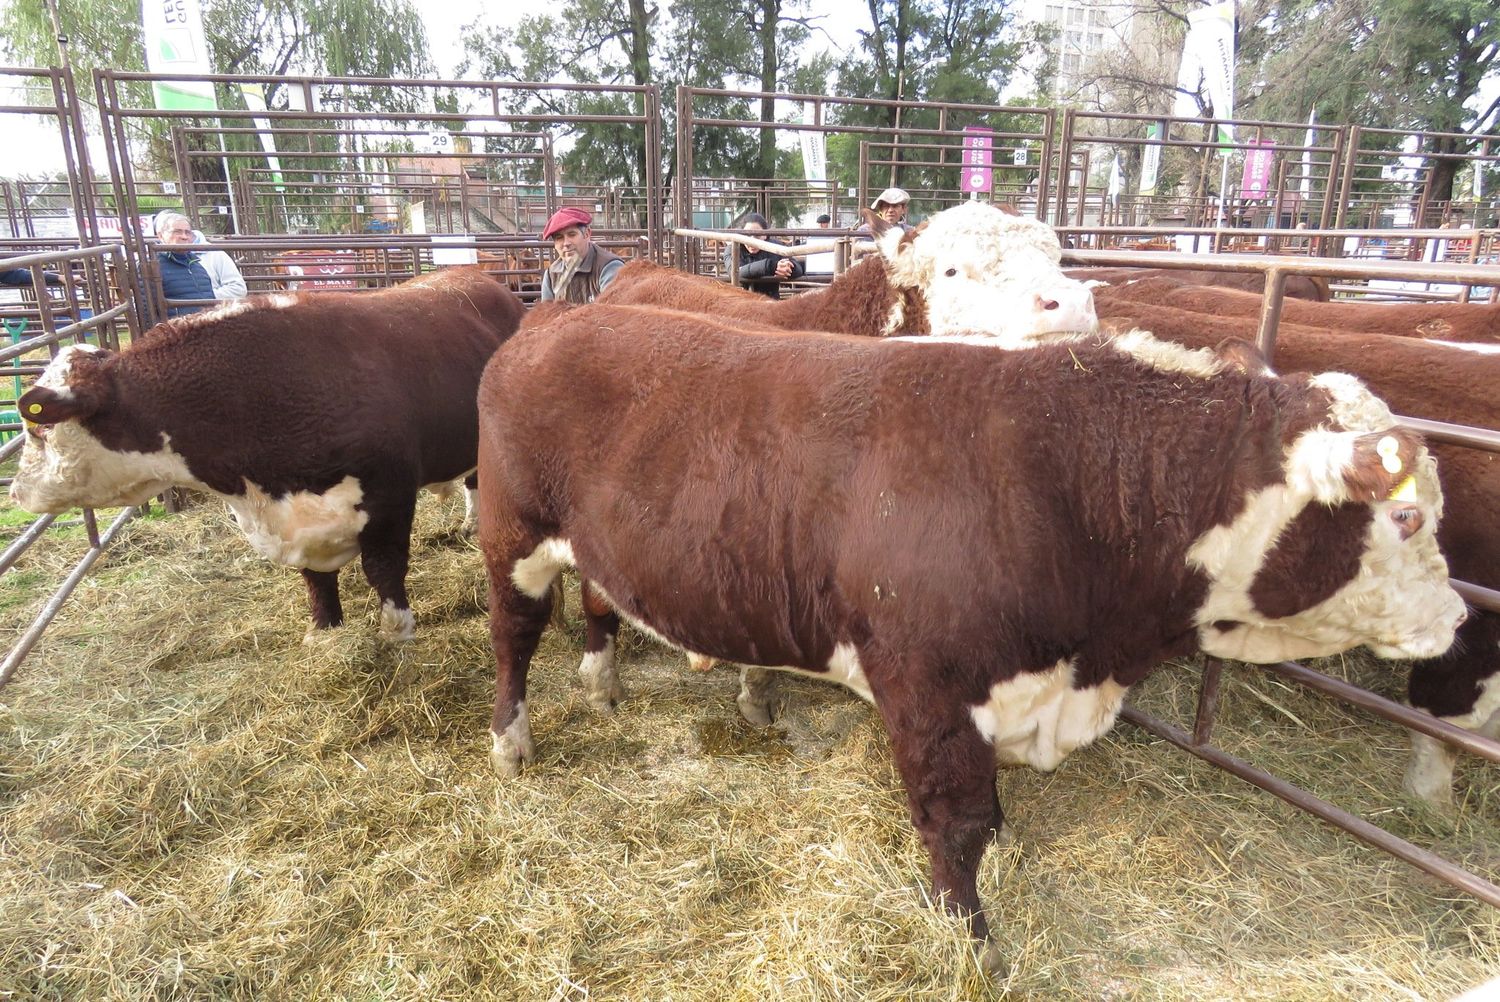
197 804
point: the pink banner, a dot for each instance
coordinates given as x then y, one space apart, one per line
976 174
1256 181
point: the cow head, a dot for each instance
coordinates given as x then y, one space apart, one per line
985 269
1340 551
66 465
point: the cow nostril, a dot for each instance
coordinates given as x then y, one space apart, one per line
1408 519
1047 304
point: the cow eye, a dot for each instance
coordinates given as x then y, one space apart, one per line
951 272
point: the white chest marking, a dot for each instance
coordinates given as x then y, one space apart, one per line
1038 718
303 529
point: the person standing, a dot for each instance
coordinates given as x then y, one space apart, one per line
190 274
583 269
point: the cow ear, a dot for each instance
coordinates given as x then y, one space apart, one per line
1007 208
1382 464
1243 356
876 222
44 405
87 388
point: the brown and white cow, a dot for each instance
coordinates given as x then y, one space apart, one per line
1303 288
315 417
1461 322
969 267
1448 382
975 266
991 577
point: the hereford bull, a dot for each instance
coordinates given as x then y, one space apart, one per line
316 417
968 267
1312 288
1463 322
881 513
975 266
1443 382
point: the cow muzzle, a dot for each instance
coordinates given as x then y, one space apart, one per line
1065 309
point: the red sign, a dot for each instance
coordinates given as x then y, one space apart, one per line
318 269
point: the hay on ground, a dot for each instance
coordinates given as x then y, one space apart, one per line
197 804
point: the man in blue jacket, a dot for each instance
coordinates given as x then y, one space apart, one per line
190 274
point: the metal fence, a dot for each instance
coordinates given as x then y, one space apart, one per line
342 143
67 302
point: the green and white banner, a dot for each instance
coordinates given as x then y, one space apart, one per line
174 44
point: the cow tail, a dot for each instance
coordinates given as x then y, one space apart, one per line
559 605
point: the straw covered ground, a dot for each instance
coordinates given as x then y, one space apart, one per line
197 804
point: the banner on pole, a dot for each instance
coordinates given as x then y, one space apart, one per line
978 173
255 100
174 44
1307 159
1255 181
1208 61
814 151
1151 158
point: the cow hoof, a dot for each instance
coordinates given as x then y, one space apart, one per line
1437 797
512 747
992 962
396 625
605 702
754 711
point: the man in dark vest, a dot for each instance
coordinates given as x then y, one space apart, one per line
582 269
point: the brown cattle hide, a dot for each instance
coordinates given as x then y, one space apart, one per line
1308 287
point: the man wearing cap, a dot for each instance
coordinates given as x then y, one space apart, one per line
583 269
891 206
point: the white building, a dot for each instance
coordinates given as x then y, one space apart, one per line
1084 31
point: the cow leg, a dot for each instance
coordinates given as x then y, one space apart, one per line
384 553
323 598
516 624
949 772
601 681
471 504
757 695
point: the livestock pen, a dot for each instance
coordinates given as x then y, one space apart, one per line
200 802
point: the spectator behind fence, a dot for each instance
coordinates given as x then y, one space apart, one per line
583 269
22 277
890 205
763 271
190 274
825 221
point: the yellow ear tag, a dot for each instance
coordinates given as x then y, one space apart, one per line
34 409
1406 490
1389 451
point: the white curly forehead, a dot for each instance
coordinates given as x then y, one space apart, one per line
981 233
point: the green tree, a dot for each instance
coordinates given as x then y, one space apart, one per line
958 51
1416 65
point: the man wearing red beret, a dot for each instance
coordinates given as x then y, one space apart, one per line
582 268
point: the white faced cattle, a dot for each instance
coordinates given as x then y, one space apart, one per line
991 576
317 417
1432 379
974 266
